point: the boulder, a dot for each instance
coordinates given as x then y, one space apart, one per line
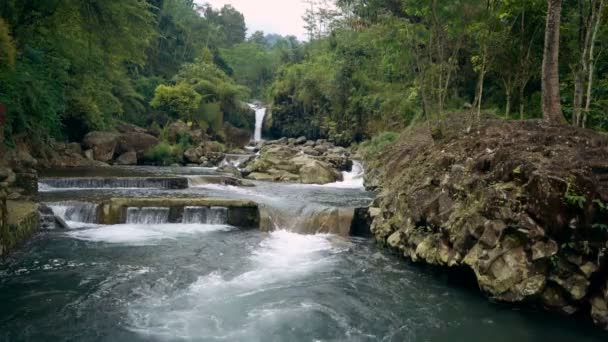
317 172
300 141
127 158
230 169
103 145
194 154
137 142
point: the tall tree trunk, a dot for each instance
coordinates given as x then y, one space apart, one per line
552 111
596 22
508 105
522 105
577 102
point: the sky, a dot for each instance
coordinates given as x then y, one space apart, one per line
271 16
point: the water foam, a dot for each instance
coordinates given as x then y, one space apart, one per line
137 235
215 305
352 179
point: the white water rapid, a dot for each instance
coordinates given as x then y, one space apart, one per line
352 179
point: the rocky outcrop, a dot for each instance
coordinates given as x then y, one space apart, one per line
524 205
103 145
299 160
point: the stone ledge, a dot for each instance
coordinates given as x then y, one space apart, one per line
241 213
23 222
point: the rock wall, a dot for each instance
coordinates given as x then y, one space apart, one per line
524 205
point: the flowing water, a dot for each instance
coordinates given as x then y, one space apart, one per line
260 114
202 280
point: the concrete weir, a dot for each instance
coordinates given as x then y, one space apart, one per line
241 213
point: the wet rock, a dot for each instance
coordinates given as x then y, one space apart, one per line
316 172
103 145
230 169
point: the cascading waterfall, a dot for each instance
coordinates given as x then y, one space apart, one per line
352 179
150 215
205 215
260 113
75 211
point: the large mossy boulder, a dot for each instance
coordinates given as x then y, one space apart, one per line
102 144
523 205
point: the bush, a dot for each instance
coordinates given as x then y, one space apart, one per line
378 144
164 154
180 101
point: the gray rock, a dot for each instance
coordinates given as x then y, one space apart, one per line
103 145
127 158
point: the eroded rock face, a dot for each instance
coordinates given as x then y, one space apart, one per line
522 204
103 145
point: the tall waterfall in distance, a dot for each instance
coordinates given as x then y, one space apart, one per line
260 113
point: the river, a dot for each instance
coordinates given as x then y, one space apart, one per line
155 281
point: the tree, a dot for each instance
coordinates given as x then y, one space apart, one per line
551 104
179 101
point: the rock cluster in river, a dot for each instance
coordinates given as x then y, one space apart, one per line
524 205
299 160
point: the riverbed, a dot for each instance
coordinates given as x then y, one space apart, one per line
160 281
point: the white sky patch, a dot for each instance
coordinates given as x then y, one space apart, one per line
271 16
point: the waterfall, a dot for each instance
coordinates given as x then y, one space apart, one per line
50 184
352 179
205 215
82 212
260 113
151 215
237 160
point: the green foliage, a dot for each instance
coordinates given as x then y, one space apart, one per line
572 197
377 145
165 154
180 101
8 51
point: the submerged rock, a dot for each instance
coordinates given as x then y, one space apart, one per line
522 204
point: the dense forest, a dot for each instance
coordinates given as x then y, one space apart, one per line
69 66
377 65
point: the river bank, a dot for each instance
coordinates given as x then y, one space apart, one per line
518 206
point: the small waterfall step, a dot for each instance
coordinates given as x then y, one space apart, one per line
205 215
148 215
114 183
83 212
